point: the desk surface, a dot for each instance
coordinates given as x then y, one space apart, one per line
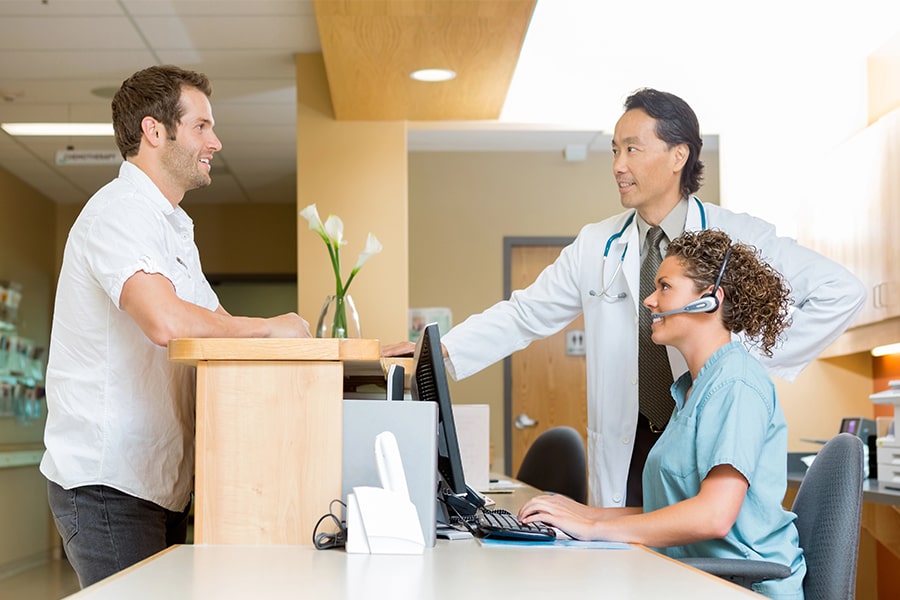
878 492
449 571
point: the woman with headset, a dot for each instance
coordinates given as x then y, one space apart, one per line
714 481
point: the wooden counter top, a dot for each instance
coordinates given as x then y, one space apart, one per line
361 357
190 350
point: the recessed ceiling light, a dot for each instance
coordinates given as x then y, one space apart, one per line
433 75
885 350
59 129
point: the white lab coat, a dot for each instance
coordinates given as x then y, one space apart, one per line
826 297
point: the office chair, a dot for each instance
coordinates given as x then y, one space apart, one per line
555 462
829 511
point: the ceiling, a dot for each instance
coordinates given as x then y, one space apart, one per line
58 55
63 59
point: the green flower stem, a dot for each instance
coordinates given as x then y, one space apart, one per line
339 324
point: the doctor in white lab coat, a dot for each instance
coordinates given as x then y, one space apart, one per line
598 275
825 299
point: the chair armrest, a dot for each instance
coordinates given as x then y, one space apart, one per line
742 572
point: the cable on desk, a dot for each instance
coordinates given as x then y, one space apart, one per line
337 539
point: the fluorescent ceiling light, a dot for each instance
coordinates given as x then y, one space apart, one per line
433 75
887 349
59 129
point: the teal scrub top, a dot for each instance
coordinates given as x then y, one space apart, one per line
732 417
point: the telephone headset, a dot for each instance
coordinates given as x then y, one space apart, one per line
708 302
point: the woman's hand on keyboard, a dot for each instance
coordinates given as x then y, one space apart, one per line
571 517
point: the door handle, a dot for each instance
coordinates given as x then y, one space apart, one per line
523 421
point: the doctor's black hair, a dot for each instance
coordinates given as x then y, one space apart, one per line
757 298
676 123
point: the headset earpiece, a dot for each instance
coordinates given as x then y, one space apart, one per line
713 294
715 302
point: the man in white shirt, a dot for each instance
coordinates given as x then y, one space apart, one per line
656 148
120 424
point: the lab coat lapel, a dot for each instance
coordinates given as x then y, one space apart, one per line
632 267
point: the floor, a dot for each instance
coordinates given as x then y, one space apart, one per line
50 581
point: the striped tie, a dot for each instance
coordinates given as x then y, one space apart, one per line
654 373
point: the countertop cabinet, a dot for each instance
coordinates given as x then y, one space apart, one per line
853 213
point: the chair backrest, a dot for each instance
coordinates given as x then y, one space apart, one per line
555 462
829 510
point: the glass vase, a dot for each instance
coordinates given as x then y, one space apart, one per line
338 318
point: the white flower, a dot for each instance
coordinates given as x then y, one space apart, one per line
332 233
311 214
334 229
373 247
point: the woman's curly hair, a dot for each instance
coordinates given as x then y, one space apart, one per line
756 298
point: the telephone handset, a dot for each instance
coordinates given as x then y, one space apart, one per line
390 465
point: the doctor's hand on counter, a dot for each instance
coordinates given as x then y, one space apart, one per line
405 349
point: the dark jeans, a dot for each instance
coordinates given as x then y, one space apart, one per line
644 439
105 530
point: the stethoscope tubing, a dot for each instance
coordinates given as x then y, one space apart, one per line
604 287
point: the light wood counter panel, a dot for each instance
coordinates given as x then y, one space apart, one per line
268 443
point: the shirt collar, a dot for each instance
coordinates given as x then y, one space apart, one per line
133 173
672 225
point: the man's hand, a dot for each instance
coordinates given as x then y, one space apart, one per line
288 325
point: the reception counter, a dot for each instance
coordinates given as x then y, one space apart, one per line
268 445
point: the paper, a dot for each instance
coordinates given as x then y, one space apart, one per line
566 543
474 434
502 486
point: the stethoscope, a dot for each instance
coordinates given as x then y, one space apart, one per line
604 287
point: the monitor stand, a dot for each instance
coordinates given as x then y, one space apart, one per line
450 504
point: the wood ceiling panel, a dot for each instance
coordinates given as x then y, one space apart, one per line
371 46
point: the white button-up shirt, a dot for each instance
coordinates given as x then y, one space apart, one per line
119 413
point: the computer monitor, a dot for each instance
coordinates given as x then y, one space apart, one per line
429 383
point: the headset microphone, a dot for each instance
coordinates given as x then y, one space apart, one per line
704 304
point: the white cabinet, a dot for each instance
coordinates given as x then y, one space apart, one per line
853 213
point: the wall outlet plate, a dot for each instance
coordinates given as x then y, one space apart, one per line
575 345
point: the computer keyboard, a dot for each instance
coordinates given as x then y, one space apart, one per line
503 525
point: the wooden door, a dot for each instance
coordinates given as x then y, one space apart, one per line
544 384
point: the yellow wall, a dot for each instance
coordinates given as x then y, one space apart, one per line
357 171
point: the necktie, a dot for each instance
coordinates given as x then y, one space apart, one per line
654 373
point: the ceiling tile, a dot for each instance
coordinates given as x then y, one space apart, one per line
68 33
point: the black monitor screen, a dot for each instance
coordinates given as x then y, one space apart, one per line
429 382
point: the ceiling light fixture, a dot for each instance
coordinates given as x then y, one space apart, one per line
885 350
433 75
59 129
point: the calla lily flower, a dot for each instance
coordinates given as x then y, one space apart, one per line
332 233
334 229
373 247
311 214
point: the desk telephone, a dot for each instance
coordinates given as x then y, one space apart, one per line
384 520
